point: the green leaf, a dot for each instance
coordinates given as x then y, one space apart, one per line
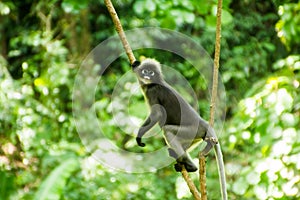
269 46
7 182
202 6
226 17
188 17
168 22
240 186
285 99
74 6
52 187
289 120
139 7
253 178
150 5
211 22
4 9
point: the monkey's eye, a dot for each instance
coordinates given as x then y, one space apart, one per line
151 73
147 72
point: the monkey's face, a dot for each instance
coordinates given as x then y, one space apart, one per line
148 71
148 74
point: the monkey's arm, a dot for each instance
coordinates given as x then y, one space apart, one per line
154 117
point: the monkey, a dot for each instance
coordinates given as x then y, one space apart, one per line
182 126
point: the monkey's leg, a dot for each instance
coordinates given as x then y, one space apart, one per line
172 153
188 133
179 153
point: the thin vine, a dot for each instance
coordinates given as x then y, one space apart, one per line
131 58
217 147
120 30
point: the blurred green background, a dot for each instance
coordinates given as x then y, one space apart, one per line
43 44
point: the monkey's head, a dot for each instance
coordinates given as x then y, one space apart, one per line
148 71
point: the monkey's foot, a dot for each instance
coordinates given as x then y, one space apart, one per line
188 167
178 167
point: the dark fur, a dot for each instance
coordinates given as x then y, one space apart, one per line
181 124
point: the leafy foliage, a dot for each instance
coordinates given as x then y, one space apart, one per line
53 185
271 172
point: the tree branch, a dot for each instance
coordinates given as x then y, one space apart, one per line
120 30
202 176
131 57
190 183
217 147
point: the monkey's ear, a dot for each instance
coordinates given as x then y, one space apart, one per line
135 64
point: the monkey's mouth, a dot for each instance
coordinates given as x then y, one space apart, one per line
147 77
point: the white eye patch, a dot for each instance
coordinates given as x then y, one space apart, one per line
147 72
151 73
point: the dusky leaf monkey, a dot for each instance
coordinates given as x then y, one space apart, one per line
181 124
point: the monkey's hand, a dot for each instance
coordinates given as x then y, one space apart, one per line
135 64
210 139
210 144
139 142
